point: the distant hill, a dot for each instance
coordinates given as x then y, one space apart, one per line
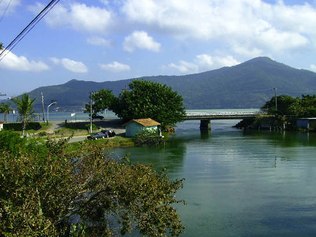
247 85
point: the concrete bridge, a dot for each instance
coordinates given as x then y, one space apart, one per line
206 117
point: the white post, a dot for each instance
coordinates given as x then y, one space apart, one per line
47 115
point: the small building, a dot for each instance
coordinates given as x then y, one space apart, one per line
1 126
306 123
135 126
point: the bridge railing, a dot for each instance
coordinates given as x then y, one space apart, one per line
222 114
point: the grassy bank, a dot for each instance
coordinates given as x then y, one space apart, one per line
117 141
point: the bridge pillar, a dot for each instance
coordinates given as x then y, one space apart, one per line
205 124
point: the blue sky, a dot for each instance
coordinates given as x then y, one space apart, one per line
106 40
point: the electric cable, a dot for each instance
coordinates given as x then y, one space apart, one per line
28 28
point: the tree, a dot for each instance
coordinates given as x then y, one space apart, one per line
5 109
25 108
305 106
284 105
101 100
147 99
44 191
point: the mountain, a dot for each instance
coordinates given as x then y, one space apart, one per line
247 85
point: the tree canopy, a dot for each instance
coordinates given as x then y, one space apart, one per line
101 100
5 109
293 106
147 99
48 190
284 105
25 108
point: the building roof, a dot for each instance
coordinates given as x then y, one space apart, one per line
146 122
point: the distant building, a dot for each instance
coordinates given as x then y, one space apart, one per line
1 125
306 123
134 126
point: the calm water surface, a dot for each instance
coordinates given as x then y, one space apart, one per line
240 184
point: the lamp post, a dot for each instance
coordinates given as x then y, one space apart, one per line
47 115
275 98
91 101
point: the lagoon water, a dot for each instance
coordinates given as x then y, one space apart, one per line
239 183
236 183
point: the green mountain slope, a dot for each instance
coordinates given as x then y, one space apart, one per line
247 85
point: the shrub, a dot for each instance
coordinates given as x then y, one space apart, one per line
148 137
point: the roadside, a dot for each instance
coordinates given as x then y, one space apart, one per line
57 128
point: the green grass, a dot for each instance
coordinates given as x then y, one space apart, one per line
117 141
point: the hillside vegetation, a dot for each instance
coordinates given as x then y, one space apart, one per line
247 85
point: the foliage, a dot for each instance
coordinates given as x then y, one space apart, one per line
49 193
147 99
101 100
296 107
305 107
5 109
17 126
148 137
284 105
25 108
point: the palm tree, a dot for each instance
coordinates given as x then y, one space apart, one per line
25 108
5 109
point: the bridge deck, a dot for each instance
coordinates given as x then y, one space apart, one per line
220 115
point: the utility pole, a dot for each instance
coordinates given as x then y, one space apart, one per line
91 93
43 109
275 98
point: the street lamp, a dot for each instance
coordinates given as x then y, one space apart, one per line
47 115
275 98
91 101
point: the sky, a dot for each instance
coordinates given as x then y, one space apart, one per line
107 40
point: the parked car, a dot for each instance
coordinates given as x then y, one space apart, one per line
102 134
108 133
96 136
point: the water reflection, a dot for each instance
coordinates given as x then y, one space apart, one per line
240 183
169 157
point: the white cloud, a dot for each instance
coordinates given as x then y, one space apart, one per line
8 6
99 41
184 67
140 40
203 62
115 67
71 65
313 67
263 25
249 52
21 63
80 17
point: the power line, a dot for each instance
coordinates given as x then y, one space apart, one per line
28 28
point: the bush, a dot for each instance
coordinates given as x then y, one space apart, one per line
147 137
18 126
50 193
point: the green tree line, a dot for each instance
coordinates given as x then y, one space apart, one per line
304 106
143 99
